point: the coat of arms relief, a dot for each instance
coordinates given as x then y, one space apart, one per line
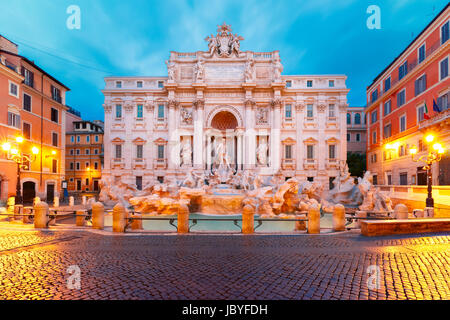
225 43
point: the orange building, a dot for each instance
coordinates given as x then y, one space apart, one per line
398 101
84 154
32 107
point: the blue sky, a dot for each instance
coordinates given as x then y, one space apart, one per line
132 38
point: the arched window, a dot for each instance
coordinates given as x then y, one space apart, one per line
349 118
358 118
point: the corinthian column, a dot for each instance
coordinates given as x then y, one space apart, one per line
250 143
173 153
275 134
198 134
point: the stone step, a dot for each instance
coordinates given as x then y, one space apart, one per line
403 226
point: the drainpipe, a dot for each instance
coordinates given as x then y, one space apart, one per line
42 125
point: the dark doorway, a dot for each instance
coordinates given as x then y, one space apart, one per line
50 193
95 185
421 176
29 192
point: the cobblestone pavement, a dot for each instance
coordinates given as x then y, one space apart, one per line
33 265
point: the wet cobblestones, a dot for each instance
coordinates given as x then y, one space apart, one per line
34 265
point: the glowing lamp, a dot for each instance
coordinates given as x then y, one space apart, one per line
413 150
6 146
53 152
388 146
19 139
441 150
396 145
437 146
35 150
14 151
429 138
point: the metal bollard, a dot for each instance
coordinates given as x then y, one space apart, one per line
339 218
56 202
417 213
119 218
136 224
314 219
98 216
36 200
360 214
10 207
401 211
80 218
83 199
248 219
300 225
428 212
71 201
40 215
183 219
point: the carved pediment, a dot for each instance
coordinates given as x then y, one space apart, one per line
160 141
288 140
332 140
310 140
117 140
276 103
139 140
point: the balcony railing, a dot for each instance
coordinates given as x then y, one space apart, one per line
310 163
411 66
288 164
160 164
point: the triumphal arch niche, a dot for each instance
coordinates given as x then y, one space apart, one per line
226 106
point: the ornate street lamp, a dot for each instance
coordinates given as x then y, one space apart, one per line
434 155
23 161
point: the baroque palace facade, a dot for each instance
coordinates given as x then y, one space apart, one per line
224 103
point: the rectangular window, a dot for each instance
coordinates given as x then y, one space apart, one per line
401 98
389 179
387 107
139 84
374 95
71 166
310 152
78 166
119 84
160 84
72 139
348 136
140 111
421 53
118 111
26 102
29 77
403 178
288 112
443 101
387 131
54 165
161 111
288 152
88 138
375 180
160 152
54 139
403 70
358 137
56 94
71 152
54 115
402 123
26 130
96 138
139 183
374 116
13 120
420 113
309 83
86 165
78 152
95 151
387 84
309 110
118 151
331 83
13 89
96 165
443 67
332 151
87 151
420 85
78 138
288 83
444 32
374 137
139 151
331 113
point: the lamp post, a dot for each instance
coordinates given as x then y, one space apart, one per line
435 152
23 161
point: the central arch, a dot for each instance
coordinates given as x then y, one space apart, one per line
225 112
224 120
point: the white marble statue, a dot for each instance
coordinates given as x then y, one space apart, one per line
261 152
186 153
199 70
170 70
